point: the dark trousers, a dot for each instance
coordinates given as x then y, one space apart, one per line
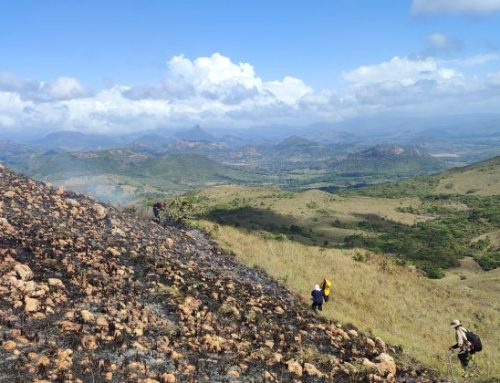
464 357
317 306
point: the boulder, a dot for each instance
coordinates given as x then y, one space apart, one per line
311 370
294 367
385 364
168 378
23 271
31 304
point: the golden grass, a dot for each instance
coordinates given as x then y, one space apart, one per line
390 301
482 181
315 210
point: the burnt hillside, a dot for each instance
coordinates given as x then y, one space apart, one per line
92 294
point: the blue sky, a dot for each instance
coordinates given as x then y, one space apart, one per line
60 58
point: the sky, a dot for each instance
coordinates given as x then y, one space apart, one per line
121 66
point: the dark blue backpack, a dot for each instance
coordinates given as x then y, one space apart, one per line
475 341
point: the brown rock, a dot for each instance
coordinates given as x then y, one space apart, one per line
380 344
112 251
87 316
369 365
100 211
168 378
385 364
72 202
269 377
294 367
64 359
9 346
88 341
31 304
311 370
278 310
43 361
9 194
23 271
55 282
353 333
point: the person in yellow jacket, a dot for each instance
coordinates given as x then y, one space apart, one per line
325 287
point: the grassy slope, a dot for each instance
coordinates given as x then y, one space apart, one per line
482 178
390 301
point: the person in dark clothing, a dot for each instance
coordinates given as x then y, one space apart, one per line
157 207
466 348
317 297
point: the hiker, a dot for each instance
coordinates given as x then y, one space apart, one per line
317 297
156 210
468 342
325 287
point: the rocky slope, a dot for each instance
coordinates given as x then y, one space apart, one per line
92 294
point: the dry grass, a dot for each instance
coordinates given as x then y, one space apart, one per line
319 212
481 181
379 297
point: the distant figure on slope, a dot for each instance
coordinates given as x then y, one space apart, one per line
157 207
317 297
468 342
325 287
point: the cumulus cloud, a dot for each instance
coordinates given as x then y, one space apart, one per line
456 6
216 91
402 70
62 88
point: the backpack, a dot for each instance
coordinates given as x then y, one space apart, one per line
474 340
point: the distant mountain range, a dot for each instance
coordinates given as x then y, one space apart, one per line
459 139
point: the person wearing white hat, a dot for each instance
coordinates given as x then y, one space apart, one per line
317 297
462 343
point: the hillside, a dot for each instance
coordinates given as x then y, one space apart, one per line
120 175
481 178
373 248
386 159
77 141
93 294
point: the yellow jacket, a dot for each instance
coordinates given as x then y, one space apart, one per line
325 286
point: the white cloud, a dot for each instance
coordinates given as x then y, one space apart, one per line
64 88
402 70
215 91
493 79
480 59
455 6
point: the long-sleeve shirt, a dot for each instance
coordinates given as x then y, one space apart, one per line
461 338
317 296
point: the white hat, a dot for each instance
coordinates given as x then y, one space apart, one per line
316 287
455 323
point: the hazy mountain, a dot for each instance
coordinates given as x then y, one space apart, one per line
387 159
77 141
196 133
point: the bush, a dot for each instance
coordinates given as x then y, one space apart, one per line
434 272
489 261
